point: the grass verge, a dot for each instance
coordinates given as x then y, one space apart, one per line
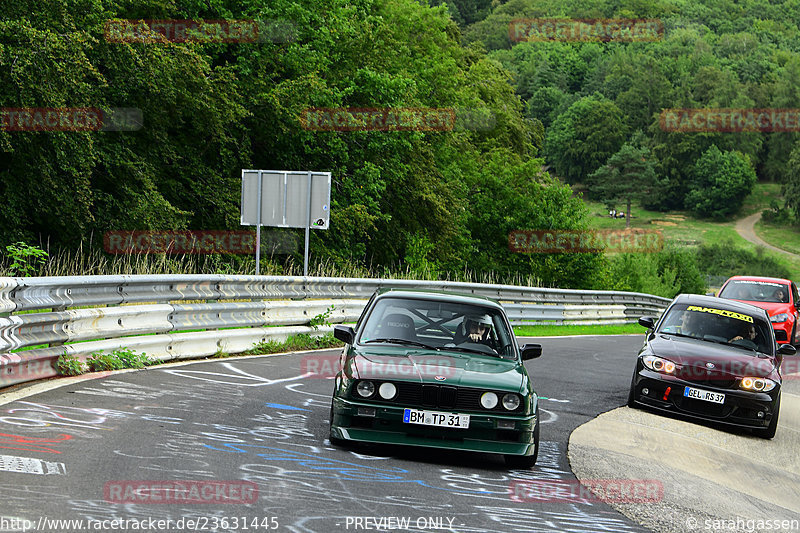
682 229
69 365
547 331
784 237
296 343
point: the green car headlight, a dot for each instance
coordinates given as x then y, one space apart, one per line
489 400
387 391
511 401
365 389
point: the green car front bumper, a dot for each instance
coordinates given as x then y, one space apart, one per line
381 423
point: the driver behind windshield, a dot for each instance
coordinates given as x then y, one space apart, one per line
691 324
474 328
748 334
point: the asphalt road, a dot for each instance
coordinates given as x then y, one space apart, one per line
241 444
746 227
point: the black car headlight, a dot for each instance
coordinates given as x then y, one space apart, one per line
659 365
511 401
365 389
757 384
781 317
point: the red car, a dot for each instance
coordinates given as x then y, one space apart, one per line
778 297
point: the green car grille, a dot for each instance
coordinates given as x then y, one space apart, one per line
439 397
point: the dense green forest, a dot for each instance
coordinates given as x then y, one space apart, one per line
593 97
442 199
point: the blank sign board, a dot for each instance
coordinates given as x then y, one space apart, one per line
285 199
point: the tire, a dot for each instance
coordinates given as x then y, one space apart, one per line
632 394
769 432
333 440
526 461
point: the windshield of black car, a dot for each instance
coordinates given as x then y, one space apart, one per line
756 291
438 324
715 324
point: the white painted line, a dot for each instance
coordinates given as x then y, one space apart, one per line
29 465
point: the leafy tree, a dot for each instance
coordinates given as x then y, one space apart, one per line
667 273
584 137
721 182
466 12
790 190
532 200
627 175
786 92
544 103
727 259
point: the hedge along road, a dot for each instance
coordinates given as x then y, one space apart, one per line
241 445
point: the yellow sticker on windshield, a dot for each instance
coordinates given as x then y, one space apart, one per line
721 312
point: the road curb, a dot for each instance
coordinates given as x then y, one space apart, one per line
707 473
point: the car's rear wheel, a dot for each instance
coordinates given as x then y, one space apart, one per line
526 461
769 432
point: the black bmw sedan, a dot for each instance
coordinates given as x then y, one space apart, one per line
713 359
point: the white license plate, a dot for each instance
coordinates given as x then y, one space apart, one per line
705 395
435 418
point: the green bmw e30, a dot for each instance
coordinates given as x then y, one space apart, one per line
436 369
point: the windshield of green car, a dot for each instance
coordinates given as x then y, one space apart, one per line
439 325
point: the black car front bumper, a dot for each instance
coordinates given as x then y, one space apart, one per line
740 408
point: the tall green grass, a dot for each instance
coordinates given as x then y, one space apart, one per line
93 262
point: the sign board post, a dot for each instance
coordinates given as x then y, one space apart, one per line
285 199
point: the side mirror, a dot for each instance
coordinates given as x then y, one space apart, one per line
531 351
346 334
711 293
647 322
787 349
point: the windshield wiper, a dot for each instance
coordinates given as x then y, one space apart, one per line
679 335
758 353
471 350
403 341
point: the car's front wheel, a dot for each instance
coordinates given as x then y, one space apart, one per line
526 461
333 440
632 394
769 432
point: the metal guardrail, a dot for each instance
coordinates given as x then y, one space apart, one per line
161 315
